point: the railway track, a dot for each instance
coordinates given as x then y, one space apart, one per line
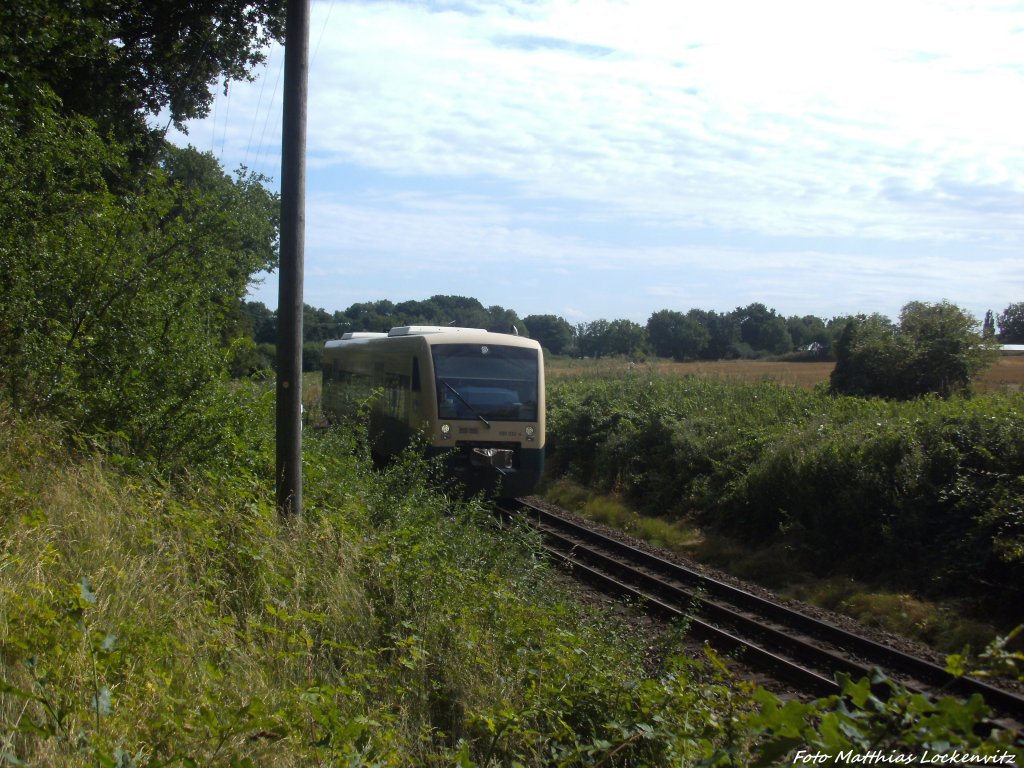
803 650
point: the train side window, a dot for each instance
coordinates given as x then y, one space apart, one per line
415 374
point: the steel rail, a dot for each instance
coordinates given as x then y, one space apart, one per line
718 602
756 655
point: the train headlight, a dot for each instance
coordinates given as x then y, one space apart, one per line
446 430
530 431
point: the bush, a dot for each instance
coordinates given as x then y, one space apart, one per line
847 482
934 349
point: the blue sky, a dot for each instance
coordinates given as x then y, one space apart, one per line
611 158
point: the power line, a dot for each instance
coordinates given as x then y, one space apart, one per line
227 113
322 30
259 104
266 121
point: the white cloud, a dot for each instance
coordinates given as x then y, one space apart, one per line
796 121
791 122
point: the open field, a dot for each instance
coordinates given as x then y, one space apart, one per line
1007 375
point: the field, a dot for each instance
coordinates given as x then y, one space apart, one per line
1007 375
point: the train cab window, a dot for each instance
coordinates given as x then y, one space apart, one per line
486 381
415 374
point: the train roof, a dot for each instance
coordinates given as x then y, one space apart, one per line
435 334
420 330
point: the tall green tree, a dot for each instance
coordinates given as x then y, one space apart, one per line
374 316
808 330
124 260
763 329
591 338
948 351
318 325
723 333
118 62
461 311
259 322
501 320
988 326
554 333
870 358
115 311
1011 324
673 334
625 337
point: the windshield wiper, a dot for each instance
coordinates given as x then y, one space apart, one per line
467 403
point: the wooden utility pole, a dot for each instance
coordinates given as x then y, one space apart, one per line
293 224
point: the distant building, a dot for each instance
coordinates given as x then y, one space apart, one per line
1011 349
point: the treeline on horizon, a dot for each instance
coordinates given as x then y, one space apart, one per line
750 332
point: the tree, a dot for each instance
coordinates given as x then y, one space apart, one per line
136 58
374 316
591 338
869 358
318 325
501 320
808 330
115 310
723 333
552 332
988 327
763 329
624 337
1011 324
444 310
947 349
934 349
123 260
673 334
259 322
312 355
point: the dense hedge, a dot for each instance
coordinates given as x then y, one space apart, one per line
929 492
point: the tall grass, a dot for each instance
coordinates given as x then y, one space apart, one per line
150 623
145 622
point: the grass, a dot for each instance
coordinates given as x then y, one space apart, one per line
146 622
616 514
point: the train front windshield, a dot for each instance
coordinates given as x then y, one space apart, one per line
486 381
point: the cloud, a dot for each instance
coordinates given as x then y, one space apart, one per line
796 147
792 130
799 121
413 246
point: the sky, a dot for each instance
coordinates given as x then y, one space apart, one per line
612 158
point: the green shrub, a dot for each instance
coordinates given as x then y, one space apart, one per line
928 492
935 349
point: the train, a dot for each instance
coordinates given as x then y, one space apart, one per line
473 398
